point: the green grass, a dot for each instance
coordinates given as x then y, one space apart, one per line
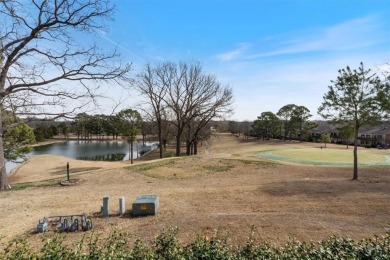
326 156
25 185
151 166
262 164
218 168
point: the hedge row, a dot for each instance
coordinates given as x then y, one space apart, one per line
166 246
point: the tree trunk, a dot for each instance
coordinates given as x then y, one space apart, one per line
188 147
355 157
301 136
189 140
165 145
3 171
160 139
161 147
178 141
178 145
131 152
196 147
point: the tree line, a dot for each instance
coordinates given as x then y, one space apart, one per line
180 102
183 100
357 98
46 72
290 122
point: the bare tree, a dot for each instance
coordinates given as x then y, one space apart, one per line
45 70
153 83
197 130
167 128
182 90
215 105
195 95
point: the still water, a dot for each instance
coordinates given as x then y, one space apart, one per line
94 150
89 150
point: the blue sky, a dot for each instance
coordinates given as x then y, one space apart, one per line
271 53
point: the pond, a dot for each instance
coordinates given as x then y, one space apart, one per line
89 150
94 150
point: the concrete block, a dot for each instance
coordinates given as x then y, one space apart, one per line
106 206
145 205
122 209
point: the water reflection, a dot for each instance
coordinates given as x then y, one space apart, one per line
89 151
108 157
94 150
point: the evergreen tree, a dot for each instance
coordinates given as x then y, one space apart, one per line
354 98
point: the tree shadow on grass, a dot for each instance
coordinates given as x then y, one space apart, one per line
62 170
327 188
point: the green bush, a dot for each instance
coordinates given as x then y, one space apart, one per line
213 248
167 246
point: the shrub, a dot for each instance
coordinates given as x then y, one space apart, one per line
167 246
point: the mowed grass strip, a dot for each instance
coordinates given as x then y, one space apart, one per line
329 155
186 167
177 168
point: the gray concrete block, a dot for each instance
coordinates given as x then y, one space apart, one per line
145 205
122 209
106 206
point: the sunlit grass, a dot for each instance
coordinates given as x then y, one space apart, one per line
327 156
151 166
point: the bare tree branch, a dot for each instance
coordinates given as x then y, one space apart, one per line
183 90
47 71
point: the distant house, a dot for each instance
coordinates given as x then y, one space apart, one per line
375 135
370 136
324 127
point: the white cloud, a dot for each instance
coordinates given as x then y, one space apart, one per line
281 69
352 34
267 86
236 53
349 35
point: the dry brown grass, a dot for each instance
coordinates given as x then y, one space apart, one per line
227 188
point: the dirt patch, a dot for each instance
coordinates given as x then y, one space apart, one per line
202 194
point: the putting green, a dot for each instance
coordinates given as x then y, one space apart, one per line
327 156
